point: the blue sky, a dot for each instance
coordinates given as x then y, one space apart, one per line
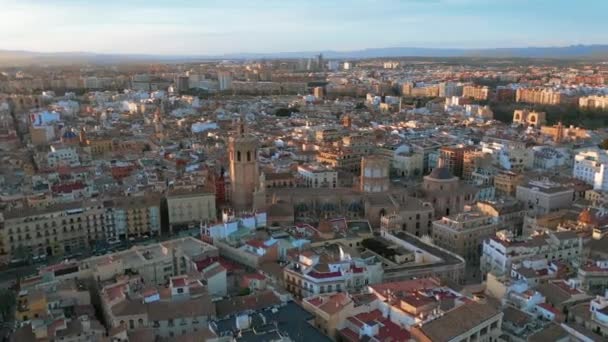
232 26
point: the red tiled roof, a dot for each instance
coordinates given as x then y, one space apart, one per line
314 301
406 285
256 243
202 264
349 335
392 332
230 266
369 317
256 276
67 188
178 282
355 269
388 331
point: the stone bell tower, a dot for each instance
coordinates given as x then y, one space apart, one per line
244 172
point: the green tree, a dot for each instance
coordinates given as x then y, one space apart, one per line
284 112
244 291
604 144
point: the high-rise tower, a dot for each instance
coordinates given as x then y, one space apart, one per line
244 173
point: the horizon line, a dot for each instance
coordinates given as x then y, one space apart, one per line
194 55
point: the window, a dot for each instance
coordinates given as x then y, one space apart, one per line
180 290
131 324
156 324
238 155
170 323
248 155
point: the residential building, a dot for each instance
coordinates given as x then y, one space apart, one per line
62 156
318 176
501 251
506 182
476 92
132 217
464 233
190 207
186 308
592 315
452 158
541 197
60 229
591 166
225 80
476 321
593 102
332 270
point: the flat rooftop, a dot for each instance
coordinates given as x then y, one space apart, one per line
291 320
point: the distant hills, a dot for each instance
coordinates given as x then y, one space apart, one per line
8 57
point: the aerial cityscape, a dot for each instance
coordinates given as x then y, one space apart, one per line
424 171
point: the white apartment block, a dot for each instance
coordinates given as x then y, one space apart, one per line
590 167
62 156
313 274
318 176
500 252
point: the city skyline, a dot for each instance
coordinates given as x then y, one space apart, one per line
215 28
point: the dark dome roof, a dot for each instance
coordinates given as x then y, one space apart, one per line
440 173
69 135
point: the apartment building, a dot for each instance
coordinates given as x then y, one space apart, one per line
593 102
542 96
543 196
54 230
452 158
501 251
318 176
476 321
591 166
331 270
185 307
506 212
188 207
506 182
154 263
132 217
463 233
476 92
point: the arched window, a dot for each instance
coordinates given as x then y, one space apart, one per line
248 156
238 155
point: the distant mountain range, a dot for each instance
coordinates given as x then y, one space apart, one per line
8 57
